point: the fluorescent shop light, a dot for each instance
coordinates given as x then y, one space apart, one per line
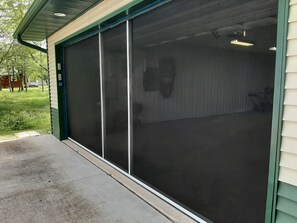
241 43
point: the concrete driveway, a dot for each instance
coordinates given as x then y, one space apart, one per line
42 180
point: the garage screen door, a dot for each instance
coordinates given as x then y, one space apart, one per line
187 99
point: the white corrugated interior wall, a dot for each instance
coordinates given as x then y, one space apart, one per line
222 87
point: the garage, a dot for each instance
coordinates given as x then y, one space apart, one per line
185 98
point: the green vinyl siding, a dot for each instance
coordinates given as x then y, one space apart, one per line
284 218
288 191
286 204
55 122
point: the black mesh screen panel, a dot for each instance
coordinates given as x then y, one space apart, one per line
202 86
83 93
115 85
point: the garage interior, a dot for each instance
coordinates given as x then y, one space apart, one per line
202 82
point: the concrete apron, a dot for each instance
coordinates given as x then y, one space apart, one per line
42 180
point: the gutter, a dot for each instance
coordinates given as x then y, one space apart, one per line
21 41
33 11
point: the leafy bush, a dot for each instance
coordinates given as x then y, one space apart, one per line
15 121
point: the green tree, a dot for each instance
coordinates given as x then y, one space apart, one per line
15 59
11 14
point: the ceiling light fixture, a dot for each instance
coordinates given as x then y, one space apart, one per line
59 14
241 43
273 48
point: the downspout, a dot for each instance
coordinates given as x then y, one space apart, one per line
21 41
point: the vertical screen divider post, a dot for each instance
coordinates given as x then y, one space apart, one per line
101 71
129 95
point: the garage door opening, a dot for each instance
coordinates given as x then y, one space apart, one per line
181 98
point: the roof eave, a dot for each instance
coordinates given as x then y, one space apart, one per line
33 11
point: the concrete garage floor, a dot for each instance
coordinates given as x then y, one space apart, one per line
42 180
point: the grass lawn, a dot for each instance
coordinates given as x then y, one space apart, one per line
24 111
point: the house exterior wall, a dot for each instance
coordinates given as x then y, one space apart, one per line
287 187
